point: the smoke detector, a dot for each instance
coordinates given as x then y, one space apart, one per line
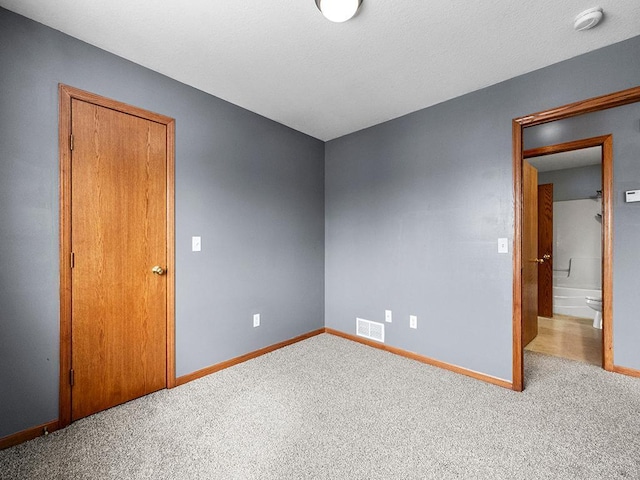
588 19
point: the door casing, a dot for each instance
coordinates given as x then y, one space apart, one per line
616 99
66 94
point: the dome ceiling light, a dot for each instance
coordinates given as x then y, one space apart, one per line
338 10
588 19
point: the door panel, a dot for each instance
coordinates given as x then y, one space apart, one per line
529 253
545 250
118 224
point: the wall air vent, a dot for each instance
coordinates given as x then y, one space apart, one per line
370 330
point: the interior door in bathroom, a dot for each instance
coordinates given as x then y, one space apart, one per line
545 250
529 253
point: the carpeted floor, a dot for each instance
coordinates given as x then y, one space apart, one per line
328 408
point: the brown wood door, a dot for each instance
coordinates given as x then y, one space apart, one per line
118 234
545 250
529 253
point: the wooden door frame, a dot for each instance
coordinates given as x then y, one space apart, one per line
616 99
66 95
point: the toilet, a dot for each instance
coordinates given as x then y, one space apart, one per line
596 304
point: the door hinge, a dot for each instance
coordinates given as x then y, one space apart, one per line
71 377
73 260
71 142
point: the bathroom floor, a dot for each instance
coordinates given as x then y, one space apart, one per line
568 337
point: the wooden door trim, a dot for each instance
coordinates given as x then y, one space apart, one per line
517 380
66 94
590 105
565 147
616 99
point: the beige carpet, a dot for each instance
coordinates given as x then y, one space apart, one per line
328 408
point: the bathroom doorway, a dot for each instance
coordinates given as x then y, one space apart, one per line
584 118
569 252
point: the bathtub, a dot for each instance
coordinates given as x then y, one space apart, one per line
571 301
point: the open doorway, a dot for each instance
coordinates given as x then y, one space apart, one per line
570 251
524 283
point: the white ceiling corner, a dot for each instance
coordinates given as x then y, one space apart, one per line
283 60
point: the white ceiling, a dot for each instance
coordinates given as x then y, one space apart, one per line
284 60
571 159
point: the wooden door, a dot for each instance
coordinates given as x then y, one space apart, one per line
118 234
529 253
545 250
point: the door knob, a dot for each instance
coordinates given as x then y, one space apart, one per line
546 256
158 270
538 260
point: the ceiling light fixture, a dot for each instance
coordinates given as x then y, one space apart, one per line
588 19
338 10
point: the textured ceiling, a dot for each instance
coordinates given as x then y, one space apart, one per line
283 60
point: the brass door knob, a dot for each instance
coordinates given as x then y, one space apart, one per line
538 260
546 256
158 270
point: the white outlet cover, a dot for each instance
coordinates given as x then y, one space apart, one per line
196 244
256 320
388 316
413 321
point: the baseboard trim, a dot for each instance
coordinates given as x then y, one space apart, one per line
243 358
28 434
421 358
631 372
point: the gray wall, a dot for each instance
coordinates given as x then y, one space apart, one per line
414 208
573 183
624 124
253 189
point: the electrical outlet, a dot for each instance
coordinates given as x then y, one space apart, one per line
413 321
256 320
388 316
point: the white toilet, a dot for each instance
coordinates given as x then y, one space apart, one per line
596 304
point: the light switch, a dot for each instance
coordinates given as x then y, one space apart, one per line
196 244
503 245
